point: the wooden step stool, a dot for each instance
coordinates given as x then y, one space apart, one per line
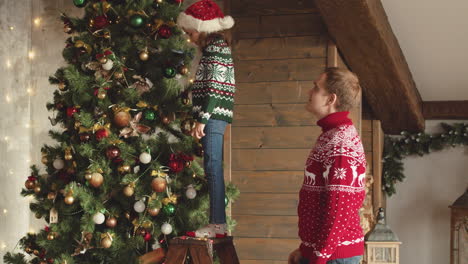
201 250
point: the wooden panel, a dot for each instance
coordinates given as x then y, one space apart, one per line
376 57
268 181
273 92
278 26
272 115
269 7
269 159
266 226
266 204
279 70
445 109
281 48
272 249
366 125
275 137
369 160
367 141
377 145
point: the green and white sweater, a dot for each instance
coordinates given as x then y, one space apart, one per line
214 86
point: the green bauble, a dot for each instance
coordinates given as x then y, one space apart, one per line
169 209
149 115
137 20
226 201
80 3
169 72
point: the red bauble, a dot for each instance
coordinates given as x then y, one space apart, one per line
165 31
100 22
176 164
112 152
101 133
147 237
71 110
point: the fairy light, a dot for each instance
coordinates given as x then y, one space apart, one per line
191 80
37 21
31 55
3 246
8 64
30 91
7 98
31 231
11 27
11 171
5 211
6 138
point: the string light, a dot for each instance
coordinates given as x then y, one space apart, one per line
12 27
6 138
5 211
37 21
31 231
11 171
8 98
30 91
31 55
191 80
3 246
8 64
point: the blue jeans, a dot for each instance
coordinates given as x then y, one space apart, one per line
352 260
213 164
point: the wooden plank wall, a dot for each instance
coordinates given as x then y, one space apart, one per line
280 47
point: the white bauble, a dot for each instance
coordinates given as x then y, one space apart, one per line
191 193
145 158
108 65
58 164
139 207
166 228
99 218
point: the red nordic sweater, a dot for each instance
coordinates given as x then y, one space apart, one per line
332 193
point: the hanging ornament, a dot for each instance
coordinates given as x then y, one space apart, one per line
108 65
80 3
122 117
51 236
150 115
30 182
147 224
142 85
96 179
106 240
112 152
169 72
101 94
37 188
99 218
84 137
226 201
165 31
145 158
111 222
191 193
58 164
69 199
44 159
137 20
101 134
147 237
88 175
129 190
183 70
51 195
62 86
166 228
83 47
139 206
68 155
154 211
71 110
99 22
103 60
123 169
159 184
169 209
144 55
135 128
118 74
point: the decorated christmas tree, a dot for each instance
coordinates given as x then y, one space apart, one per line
124 175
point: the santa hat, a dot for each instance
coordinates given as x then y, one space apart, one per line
205 16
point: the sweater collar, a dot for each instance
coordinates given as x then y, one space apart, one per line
334 120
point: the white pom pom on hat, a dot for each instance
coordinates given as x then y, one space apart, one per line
205 16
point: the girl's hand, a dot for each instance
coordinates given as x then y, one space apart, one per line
294 257
197 131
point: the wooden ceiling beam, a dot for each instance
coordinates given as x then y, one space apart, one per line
445 110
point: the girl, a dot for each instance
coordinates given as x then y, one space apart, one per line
213 100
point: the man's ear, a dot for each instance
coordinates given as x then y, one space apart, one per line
332 98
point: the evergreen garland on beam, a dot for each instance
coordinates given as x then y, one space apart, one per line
397 148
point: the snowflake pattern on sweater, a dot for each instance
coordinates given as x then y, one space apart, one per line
214 86
332 193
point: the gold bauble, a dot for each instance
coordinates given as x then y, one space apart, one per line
68 156
128 191
118 75
29 184
166 120
44 160
51 195
36 252
96 179
28 250
103 60
158 184
183 70
147 224
38 215
154 211
102 94
51 236
106 242
144 55
111 222
37 189
62 86
88 176
124 169
69 199
67 29
122 119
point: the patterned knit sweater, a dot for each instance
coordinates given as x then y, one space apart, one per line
332 193
214 86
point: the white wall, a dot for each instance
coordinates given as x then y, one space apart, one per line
418 213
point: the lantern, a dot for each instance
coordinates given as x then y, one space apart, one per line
382 245
459 230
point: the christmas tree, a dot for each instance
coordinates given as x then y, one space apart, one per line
124 176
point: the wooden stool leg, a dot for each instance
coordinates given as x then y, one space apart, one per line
227 254
200 254
176 254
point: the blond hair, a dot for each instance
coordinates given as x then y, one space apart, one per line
345 85
206 38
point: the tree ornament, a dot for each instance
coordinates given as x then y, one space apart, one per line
71 110
101 134
99 22
44 159
169 72
159 184
30 183
80 3
137 20
51 195
128 190
37 188
112 152
111 222
122 118
147 237
123 169
118 74
166 228
165 31
58 164
96 179
106 242
191 193
147 224
88 175
145 158
101 94
226 201
169 209
85 137
166 120
187 126
69 199
144 55
62 86
154 211
183 70
139 206
150 115
103 60
68 155
99 218
51 236
108 65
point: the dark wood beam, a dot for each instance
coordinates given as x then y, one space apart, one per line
365 38
445 109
